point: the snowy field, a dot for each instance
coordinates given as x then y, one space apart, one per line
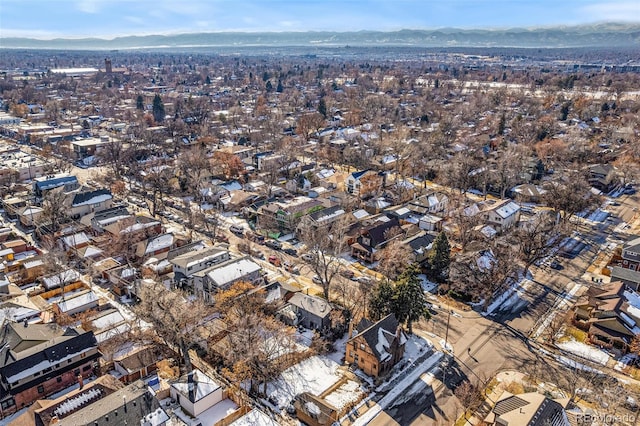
584 351
314 375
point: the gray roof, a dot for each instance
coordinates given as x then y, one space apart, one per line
625 274
312 304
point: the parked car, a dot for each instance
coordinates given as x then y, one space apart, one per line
290 252
238 230
316 279
256 238
274 260
274 244
555 265
290 267
364 279
308 257
347 273
222 238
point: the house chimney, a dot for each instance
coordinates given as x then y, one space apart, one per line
124 402
80 381
191 386
25 322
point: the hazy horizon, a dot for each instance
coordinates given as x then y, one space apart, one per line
108 19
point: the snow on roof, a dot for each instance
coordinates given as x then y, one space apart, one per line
360 214
158 243
314 375
42 365
233 271
486 261
204 385
508 209
383 344
63 277
634 303
254 417
107 321
112 332
78 301
155 418
76 239
95 200
348 393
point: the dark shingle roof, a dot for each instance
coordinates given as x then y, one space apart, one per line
83 197
370 332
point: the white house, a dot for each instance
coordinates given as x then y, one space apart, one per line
502 215
197 396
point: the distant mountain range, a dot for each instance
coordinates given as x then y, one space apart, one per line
596 35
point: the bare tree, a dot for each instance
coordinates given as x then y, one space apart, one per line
166 311
54 209
569 194
539 237
325 246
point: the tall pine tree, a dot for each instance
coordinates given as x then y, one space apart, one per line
158 109
409 303
440 258
380 301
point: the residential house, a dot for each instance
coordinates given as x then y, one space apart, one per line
29 216
374 237
90 147
528 409
90 201
190 262
364 183
311 312
76 303
103 403
626 267
609 314
42 185
286 215
433 202
196 392
107 217
420 244
603 177
38 360
157 246
223 275
501 215
135 364
375 347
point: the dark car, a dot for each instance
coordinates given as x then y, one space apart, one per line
290 252
347 273
276 245
555 265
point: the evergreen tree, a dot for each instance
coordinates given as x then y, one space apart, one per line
158 109
380 301
322 107
269 87
439 258
279 88
409 303
208 80
140 102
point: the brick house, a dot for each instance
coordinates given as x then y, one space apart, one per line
376 347
609 314
38 360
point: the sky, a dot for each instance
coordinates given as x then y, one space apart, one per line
112 18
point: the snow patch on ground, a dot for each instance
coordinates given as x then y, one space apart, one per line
510 298
427 285
399 389
585 351
314 375
625 361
